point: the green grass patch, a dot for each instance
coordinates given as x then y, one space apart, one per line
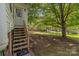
48 33
57 34
73 35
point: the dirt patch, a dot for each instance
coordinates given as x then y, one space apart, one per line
46 45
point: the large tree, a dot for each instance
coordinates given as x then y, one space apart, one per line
62 12
56 15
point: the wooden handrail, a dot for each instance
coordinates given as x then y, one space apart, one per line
8 50
27 34
10 43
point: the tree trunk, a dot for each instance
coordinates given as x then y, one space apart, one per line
63 22
63 30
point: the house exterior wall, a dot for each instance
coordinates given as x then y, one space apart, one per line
7 18
25 16
6 24
9 15
3 27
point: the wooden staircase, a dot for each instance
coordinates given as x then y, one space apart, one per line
20 41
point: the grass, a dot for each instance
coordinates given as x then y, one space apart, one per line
76 36
47 33
56 34
73 35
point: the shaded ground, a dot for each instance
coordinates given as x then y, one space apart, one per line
47 45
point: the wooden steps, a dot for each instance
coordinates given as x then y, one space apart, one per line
19 40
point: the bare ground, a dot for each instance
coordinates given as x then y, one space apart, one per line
46 45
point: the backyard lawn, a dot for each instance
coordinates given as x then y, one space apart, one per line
51 43
55 34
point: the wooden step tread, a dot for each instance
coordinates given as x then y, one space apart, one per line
15 52
19 40
19 28
22 35
19 44
19 37
19 48
18 33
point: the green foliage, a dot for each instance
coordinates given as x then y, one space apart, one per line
42 15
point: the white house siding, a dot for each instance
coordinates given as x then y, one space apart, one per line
25 16
6 24
9 15
18 20
3 27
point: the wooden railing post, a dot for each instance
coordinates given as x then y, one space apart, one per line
10 43
8 50
27 35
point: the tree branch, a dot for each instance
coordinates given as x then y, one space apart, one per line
69 11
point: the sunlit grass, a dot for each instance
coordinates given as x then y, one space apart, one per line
73 35
47 33
56 34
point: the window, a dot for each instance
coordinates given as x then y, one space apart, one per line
18 12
